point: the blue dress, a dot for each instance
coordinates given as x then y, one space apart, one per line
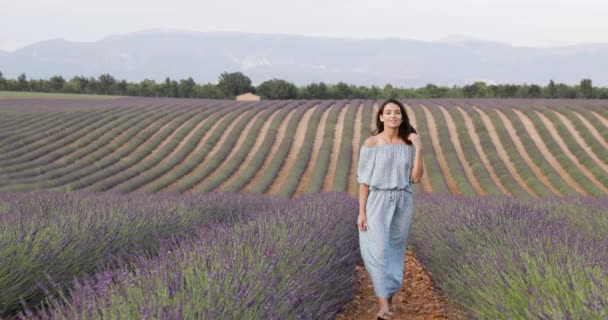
386 170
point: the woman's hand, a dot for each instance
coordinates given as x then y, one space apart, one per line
362 222
415 139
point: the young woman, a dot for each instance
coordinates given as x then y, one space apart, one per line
389 162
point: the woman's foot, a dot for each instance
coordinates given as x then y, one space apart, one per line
384 315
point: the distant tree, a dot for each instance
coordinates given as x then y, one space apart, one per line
277 89
147 88
509 91
315 91
552 89
169 88
106 81
475 90
22 83
186 88
208 91
2 82
122 87
233 84
586 89
79 83
433 91
341 90
374 93
534 91
389 92
57 82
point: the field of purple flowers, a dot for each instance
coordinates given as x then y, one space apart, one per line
174 256
245 256
502 258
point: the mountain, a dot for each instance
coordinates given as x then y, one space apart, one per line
156 54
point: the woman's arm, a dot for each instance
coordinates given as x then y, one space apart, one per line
417 168
362 219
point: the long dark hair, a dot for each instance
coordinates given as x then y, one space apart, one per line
404 129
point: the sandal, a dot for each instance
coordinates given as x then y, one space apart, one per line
384 315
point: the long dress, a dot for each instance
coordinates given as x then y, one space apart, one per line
386 170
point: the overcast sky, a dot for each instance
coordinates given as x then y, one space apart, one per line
538 23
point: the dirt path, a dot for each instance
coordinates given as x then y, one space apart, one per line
319 135
277 142
201 144
218 145
417 300
441 160
502 154
547 154
294 152
581 142
603 120
584 170
335 150
521 150
593 131
256 146
353 186
468 171
238 144
425 181
468 122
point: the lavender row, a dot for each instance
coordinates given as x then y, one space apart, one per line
294 261
503 258
47 239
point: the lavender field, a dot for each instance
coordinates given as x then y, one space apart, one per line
510 216
175 256
168 256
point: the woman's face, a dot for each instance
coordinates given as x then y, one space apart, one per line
391 116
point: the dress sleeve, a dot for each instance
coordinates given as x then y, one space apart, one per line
365 169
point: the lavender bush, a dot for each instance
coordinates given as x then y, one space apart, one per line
503 258
48 239
295 260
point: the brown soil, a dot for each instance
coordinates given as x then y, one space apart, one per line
593 131
353 186
333 163
443 164
502 154
294 152
581 142
468 171
425 181
201 144
482 155
603 120
218 145
547 154
277 142
417 300
521 150
239 142
584 170
251 154
305 179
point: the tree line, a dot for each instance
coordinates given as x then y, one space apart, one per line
232 84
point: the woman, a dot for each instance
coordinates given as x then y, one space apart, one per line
389 162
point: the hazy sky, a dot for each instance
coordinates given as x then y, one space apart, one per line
519 22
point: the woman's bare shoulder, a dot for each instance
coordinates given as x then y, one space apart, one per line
371 141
